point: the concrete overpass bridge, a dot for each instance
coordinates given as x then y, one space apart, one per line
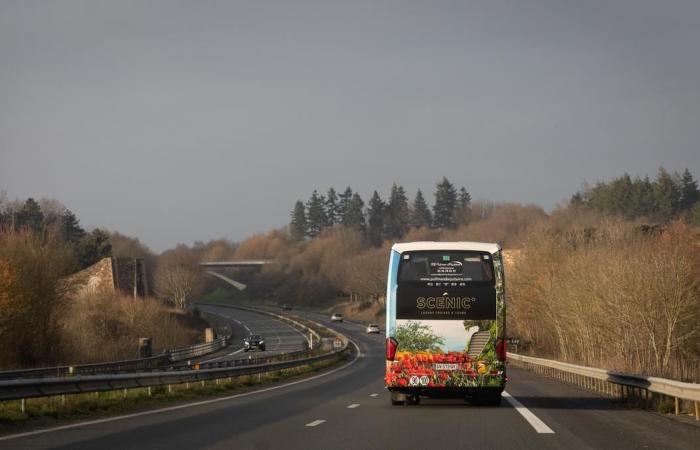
209 267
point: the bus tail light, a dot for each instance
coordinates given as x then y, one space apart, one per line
501 349
391 346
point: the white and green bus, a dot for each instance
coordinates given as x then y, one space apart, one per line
445 322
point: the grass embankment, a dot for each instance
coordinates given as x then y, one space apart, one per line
48 411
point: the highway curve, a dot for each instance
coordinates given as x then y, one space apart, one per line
279 336
348 408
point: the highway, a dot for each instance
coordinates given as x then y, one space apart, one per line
348 408
279 336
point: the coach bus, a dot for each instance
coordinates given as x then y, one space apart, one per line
445 322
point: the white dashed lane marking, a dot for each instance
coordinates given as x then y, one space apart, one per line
354 405
315 423
373 395
528 415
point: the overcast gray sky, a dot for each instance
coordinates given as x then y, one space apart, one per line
182 121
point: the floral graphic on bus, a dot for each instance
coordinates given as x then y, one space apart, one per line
454 369
436 354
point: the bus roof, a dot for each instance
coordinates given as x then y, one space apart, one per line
435 245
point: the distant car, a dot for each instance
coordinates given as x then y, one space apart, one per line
372 328
286 307
337 317
254 341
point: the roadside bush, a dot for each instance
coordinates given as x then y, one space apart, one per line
32 297
613 296
106 326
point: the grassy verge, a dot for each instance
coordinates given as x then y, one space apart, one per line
51 411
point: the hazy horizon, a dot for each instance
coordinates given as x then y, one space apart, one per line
175 122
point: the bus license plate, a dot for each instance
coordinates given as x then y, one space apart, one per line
444 366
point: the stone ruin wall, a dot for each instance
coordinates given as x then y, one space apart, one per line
124 275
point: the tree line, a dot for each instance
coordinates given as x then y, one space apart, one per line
609 294
51 220
45 320
380 219
660 200
584 281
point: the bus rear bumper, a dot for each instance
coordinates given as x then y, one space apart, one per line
467 393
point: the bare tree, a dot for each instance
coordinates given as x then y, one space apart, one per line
178 277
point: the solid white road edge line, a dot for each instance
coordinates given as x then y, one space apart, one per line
528 415
189 405
314 423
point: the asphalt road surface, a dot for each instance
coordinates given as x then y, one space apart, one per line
279 336
348 408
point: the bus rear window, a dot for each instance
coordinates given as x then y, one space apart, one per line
446 267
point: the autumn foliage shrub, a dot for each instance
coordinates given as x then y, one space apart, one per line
611 295
342 263
32 297
105 326
43 322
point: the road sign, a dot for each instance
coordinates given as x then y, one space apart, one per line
337 343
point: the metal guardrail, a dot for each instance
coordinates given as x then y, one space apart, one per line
193 351
152 363
129 365
176 374
44 387
615 384
316 337
87 369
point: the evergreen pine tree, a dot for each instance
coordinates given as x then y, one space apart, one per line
641 199
375 218
689 191
71 230
93 247
464 207
354 216
315 215
398 219
693 215
666 195
343 203
576 200
297 226
30 216
445 204
332 212
420 214
621 194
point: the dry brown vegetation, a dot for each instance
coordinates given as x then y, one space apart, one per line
31 297
178 278
614 295
342 264
583 288
43 323
105 326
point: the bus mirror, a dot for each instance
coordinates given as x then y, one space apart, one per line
501 349
391 346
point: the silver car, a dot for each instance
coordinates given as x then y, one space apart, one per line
372 328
